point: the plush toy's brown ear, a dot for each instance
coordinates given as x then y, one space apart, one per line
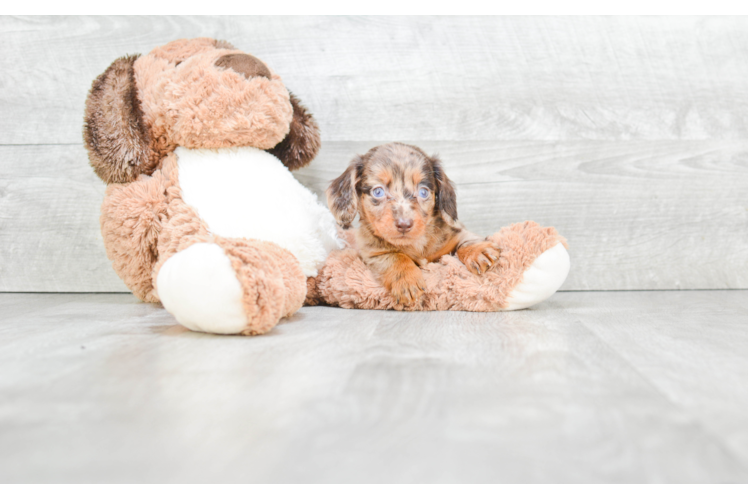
446 199
301 144
342 198
117 139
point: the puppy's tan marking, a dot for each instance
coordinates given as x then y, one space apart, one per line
385 177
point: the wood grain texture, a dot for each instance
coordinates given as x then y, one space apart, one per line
587 387
50 239
699 353
637 214
418 78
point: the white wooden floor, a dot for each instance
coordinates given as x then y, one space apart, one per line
587 387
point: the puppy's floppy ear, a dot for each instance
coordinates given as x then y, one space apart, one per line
302 143
342 198
114 133
446 199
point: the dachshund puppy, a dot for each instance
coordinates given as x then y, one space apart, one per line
408 217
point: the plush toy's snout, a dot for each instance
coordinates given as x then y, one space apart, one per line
244 64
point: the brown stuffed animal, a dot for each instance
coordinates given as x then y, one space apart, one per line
196 140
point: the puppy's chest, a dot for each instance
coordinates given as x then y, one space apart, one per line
242 192
442 244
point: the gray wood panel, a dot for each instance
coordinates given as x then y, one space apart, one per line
588 387
637 214
426 78
49 229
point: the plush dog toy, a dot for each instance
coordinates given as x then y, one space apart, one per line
196 140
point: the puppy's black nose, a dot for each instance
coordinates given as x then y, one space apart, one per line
404 225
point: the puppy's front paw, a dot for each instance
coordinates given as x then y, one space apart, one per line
408 290
479 257
401 277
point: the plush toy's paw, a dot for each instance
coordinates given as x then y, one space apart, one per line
200 288
541 280
231 285
479 257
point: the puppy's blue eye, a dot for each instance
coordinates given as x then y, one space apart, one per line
423 193
377 192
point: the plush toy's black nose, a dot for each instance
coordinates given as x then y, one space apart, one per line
244 64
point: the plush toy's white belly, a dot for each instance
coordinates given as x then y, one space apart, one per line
249 193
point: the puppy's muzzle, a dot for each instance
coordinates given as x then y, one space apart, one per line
404 225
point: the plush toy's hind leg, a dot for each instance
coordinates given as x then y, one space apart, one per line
231 286
532 266
541 280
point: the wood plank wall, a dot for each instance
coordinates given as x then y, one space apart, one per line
628 134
